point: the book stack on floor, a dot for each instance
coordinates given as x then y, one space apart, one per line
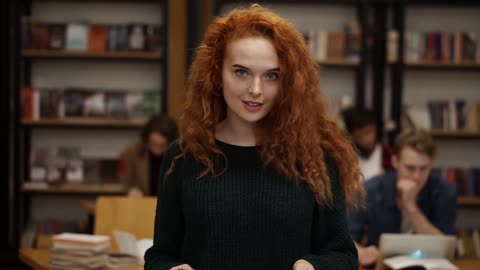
73 251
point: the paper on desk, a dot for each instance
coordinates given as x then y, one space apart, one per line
403 262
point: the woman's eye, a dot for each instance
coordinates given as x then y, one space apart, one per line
241 72
272 76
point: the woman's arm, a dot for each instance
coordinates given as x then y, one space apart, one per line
332 246
169 224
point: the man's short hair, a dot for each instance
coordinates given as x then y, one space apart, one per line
357 118
419 140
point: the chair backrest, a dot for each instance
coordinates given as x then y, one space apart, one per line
133 215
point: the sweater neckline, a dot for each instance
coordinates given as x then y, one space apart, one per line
233 146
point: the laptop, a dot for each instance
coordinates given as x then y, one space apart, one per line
432 246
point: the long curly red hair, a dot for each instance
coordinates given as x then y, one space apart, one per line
297 132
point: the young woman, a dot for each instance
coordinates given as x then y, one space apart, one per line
139 163
259 176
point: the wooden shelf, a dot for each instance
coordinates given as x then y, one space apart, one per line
91 55
104 1
468 201
455 134
84 122
338 62
441 65
309 2
75 188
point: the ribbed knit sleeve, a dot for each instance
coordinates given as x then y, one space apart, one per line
332 246
169 223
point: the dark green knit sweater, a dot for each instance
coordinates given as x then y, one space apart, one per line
248 218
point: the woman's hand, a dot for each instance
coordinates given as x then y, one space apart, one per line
302 265
367 256
182 267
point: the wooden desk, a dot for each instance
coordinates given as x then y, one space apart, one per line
39 259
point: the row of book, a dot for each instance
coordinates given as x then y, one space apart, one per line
466 180
435 46
80 36
64 163
468 243
81 102
335 45
454 115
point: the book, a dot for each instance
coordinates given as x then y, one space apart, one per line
133 103
81 238
57 36
27 102
74 102
84 260
154 38
120 260
118 37
77 37
94 104
129 245
97 41
151 104
136 37
40 36
336 45
116 106
406 262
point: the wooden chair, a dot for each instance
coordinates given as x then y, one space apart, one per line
133 215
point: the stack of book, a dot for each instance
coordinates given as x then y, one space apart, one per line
75 251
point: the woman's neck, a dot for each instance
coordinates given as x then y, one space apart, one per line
236 134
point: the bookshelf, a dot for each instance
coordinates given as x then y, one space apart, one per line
32 53
418 83
84 123
468 201
439 65
79 189
455 134
126 70
338 63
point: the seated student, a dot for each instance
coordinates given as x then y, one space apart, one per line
374 158
139 165
410 200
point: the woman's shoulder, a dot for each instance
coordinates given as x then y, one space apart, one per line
173 149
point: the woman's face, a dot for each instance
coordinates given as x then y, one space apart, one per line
250 79
157 143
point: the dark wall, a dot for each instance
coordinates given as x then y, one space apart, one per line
9 113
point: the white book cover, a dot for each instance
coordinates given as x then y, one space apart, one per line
128 244
81 238
77 37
